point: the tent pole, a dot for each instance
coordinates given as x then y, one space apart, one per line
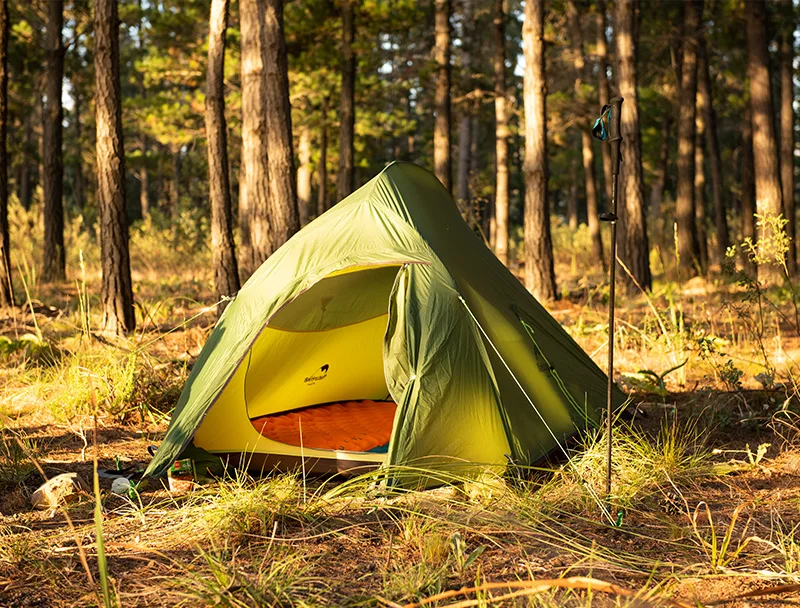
608 130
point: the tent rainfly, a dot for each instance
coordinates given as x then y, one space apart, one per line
384 332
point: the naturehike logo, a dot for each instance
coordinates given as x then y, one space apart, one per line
318 375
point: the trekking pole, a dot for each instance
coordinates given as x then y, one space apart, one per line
606 128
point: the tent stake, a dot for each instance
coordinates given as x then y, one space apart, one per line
606 128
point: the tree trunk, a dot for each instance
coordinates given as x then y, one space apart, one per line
345 182
587 149
688 246
79 180
748 177
304 175
634 248
322 170
53 176
769 198
604 89
144 181
468 106
539 273
253 171
787 134
660 183
6 290
500 135
116 291
283 218
712 141
700 184
226 274
441 130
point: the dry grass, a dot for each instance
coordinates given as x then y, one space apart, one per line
686 522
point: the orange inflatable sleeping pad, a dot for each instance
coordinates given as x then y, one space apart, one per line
353 426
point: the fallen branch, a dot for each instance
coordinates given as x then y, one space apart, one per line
532 587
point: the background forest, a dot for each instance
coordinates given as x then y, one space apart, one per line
153 153
406 80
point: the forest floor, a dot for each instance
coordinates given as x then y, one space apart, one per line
705 503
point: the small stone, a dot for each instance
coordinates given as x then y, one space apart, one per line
58 491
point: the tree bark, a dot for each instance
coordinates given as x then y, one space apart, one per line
787 133
345 182
748 177
604 88
539 273
468 106
253 171
322 170
304 175
79 187
284 221
633 244
441 130
769 198
712 141
700 184
54 268
226 273
587 149
6 288
500 135
175 182
688 246
116 291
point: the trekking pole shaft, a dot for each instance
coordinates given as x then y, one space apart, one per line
614 140
611 297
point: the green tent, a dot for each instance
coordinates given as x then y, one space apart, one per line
385 332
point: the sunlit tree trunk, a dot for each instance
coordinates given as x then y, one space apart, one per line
254 222
587 149
304 175
441 129
748 177
633 244
284 220
787 132
500 135
467 112
116 292
6 291
79 187
688 247
712 141
769 198
346 181
54 268
700 185
226 273
604 90
539 272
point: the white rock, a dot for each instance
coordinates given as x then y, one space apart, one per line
58 491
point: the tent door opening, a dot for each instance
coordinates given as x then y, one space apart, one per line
315 376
